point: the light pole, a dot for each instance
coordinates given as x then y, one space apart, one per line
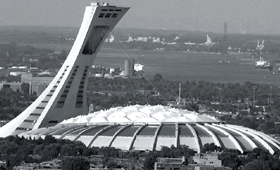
254 95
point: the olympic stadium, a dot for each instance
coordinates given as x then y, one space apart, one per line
62 109
147 127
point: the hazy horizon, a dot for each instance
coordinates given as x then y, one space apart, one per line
241 16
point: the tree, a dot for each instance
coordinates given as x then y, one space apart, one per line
210 147
51 151
25 88
75 163
254 165
67 150
49 139
229 159
110 163
109 151
91 151
149 161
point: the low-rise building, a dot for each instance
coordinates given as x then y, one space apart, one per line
38 84
171 164
15 86
207 161
48 165
210 158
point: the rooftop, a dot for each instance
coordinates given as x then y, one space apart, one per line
141 114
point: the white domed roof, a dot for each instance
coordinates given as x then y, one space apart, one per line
151 127
142 114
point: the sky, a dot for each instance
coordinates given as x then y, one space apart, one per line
241 16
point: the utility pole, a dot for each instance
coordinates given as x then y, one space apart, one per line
270 97
225 32
179 93
254 95
30 86
30 79
225 44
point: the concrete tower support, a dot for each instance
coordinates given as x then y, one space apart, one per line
66 95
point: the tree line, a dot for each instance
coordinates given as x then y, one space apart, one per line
230 97
75 155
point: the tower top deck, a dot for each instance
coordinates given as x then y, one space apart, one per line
104 4
94 4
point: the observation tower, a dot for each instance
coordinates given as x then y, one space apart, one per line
61 110
66 95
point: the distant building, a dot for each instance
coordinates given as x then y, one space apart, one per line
176 38
141 39
260 46
50 165
33 60
98 71
189 43
18 67
38 84
54 55
129 68
138 67
171 43
115 71
130 39
16 73
171 164
208 42
207 161
110 39
14 70
156 40
15 86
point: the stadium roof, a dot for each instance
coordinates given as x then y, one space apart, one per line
151 127
142 114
